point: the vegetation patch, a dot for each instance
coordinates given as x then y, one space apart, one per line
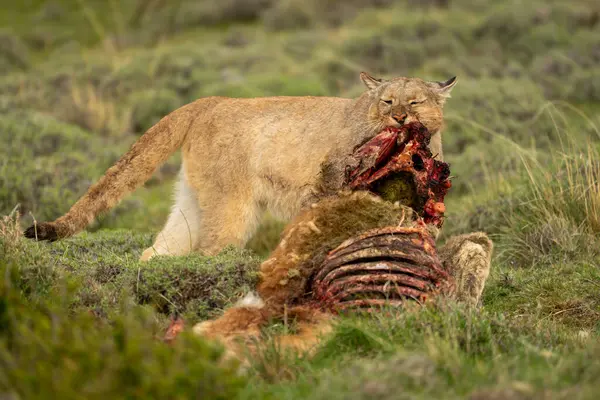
105 270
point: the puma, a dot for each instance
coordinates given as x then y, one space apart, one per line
242 156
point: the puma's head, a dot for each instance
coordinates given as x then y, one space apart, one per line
402 100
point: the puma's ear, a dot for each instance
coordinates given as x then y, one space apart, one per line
443 88
369 81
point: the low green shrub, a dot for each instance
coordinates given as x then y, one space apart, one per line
45 165
106 269
48 350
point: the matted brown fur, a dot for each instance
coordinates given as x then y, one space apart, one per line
309 237
468 258
241 156
240 329
285 275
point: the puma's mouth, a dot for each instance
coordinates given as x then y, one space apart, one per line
392 122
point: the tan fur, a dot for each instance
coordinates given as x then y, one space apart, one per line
468 259
240 329
241 156
308 238
284 276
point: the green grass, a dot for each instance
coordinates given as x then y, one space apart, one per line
106 270
437 352
80 80
48 350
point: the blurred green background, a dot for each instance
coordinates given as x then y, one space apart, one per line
80 80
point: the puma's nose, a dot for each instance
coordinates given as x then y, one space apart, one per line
400 118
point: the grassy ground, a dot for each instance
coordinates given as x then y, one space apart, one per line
81 79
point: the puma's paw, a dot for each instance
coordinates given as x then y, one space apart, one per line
148 254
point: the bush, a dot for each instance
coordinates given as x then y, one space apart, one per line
149 106
294 14
375 52
226 11
46 349
512 108
558 215
46 165
14 54
431 352
105 269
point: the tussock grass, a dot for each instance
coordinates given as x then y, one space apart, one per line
86 108
437 351
543 218
545 203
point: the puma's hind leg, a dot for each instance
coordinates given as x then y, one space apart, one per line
230 219
201 222
181 233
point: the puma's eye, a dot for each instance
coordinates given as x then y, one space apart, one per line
413 102
388 102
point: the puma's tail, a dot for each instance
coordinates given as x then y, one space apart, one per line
132 170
